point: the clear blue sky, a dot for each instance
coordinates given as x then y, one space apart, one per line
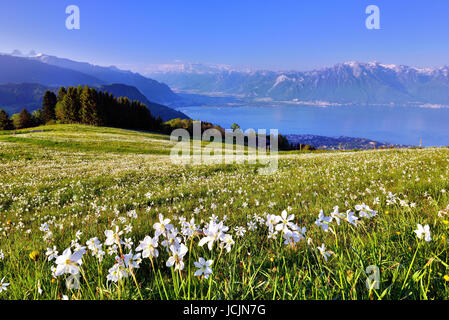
270 34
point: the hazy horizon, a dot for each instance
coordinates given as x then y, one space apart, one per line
153 68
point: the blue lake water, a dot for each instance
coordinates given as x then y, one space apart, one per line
399 125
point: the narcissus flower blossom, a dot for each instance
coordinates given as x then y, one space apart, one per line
69 263
323 251
323 221
213 231
117 272
423 232
112 236
148 247
51 253
285 222
204 268
178 253
162 226
3 285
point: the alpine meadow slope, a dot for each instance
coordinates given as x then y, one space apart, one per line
105 206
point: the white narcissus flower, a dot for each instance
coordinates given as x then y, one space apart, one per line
213 232
292 237
204 268
3 285
172 239
51 253
240 231
272 220
69 263
323 221
423 232
117 272
323 251
132 261
365 211
178 253
162 226
189 228
227 242
251 225
351 218
284 222
112 237
148 247
336 215
93 244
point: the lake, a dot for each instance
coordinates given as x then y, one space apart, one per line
397 125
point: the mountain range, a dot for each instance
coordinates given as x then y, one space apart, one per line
154 90
345 83
24 79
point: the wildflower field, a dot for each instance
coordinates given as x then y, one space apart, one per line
101 213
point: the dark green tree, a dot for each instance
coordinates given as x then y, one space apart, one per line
38 117
25 120
48 106
71 106
61 93
5 122
89 107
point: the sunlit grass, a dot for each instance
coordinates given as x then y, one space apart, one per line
79 178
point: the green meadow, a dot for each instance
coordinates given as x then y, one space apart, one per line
77 201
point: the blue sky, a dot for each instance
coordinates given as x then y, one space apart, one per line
281 34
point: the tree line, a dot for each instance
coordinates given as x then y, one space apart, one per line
85 105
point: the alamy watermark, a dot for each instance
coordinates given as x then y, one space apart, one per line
372 22
373 280
236 147
73 20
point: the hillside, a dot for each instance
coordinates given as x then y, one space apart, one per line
16 96
23 70
82 138
153 90
97 191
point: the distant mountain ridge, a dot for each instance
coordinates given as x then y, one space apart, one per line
154 90
16 96
24 79
121 90
24 70
346 83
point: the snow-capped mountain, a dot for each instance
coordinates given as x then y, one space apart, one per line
345 83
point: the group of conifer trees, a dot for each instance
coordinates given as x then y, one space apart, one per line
88 106
85 105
